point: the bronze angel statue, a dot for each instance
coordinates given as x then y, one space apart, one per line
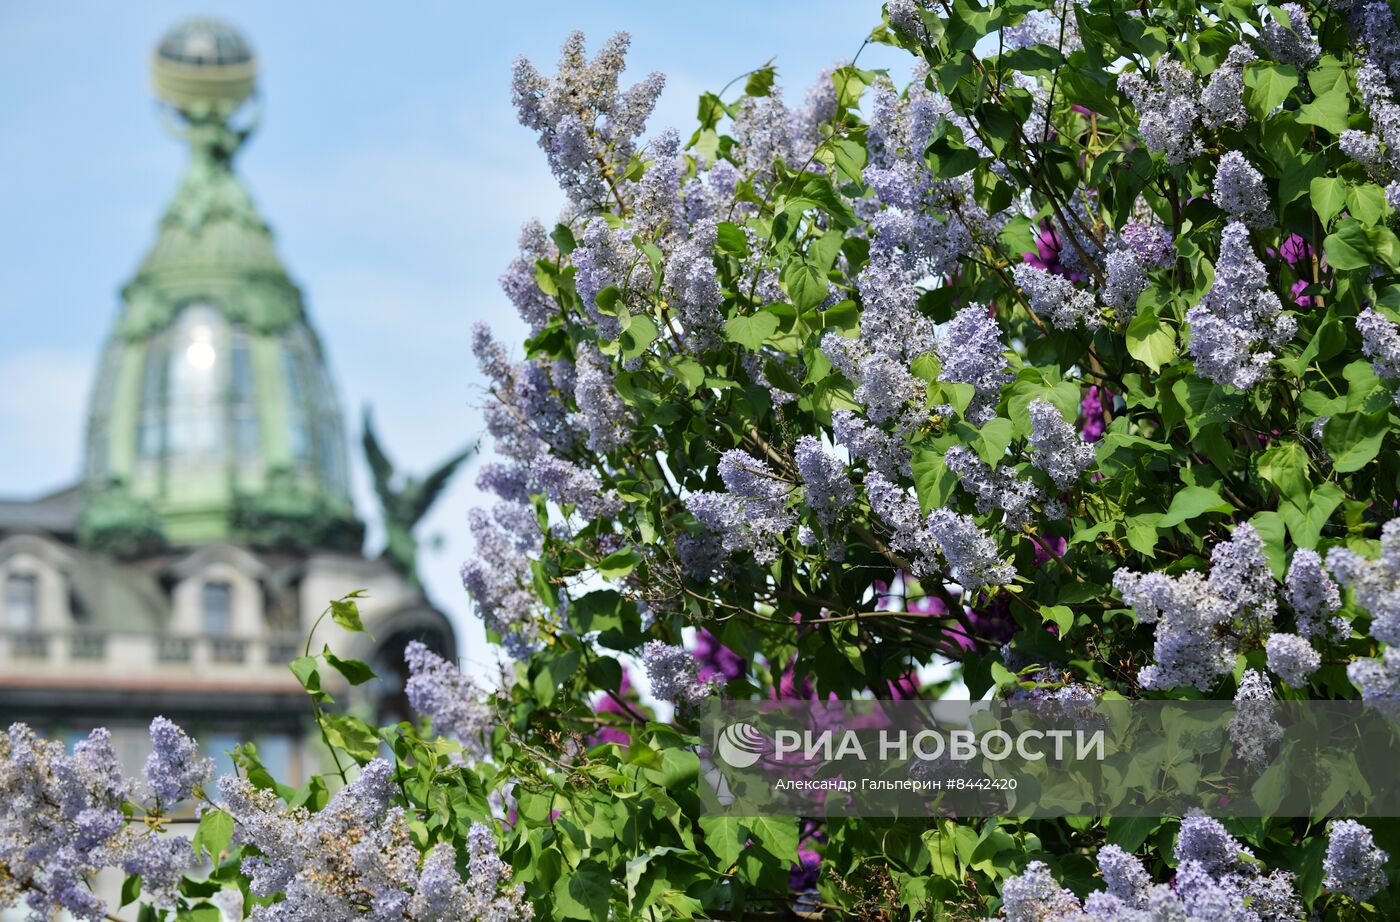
405 500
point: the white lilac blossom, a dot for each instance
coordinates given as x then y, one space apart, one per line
753 513
1222 101
971 555
1253 729
358 853
693 286
674 675
518 281
587 127
1293 43
993 488
1168 111
1380 342
1125 277
1292 658
888 454
1374 584
174 769
971 352
1314 597
1378 679
602 413
1055 447
1238 323
1057 298
1239 190
453 701
1192 610
1353 864
827 489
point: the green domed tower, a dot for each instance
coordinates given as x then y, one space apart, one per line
214 418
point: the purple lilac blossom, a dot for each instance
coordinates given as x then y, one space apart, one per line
174 768
1168 112
675 675
1240 320
1055 297
1055 447
971 352
1353 865
1314 597
1239 190
1222 100
1253 729
1293 43
1374 584
438 690
1292 658
1380 342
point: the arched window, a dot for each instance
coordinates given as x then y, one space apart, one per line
21 601
216 603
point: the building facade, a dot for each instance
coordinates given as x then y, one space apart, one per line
213 519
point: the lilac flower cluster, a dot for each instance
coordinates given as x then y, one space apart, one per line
1056 27
600 411
1292 658
1191 610
881 451
1379 149
1314 597
1240 319
1378 678
1168 111
971 352
1253 729
498 577
174 768
518 281
993 488
606 257
1125 277
675 675
1152 243
1374 584
972 556
1057 298
62 819
358 852
587 127
1225 890
753 513
1353 865
884 383
828 490
1055 447
692 286
1222 101
657 208
453 701
1293 43
1380 342
1239 190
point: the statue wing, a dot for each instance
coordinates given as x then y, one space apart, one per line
379 464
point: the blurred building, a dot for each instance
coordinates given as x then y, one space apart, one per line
213 521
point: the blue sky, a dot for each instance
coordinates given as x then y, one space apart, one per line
389 163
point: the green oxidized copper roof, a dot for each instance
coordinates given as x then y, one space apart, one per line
213 417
